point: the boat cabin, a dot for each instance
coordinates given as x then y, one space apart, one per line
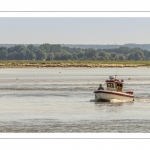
114 84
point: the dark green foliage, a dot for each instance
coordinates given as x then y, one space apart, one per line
57 52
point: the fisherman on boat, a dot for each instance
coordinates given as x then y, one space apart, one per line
120 86
100 87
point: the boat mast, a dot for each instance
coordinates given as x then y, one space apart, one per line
116 73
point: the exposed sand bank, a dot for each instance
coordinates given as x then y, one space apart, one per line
66 65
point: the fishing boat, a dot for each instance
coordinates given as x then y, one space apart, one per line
114 91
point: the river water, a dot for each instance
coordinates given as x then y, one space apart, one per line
61 100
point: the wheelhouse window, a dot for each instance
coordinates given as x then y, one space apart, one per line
108 84
111 85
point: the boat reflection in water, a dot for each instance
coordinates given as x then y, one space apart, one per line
114 91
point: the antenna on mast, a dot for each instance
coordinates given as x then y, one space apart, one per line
116 73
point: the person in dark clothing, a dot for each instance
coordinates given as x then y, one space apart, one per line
119 87
100 87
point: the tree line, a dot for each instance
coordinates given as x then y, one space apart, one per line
108 46
58 52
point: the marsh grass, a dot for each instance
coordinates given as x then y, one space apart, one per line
78 63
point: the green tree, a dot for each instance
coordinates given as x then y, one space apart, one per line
121 57
40 55
114 56
32 47
30 55
90 53
80 54
3 53
138 55
50 56
102 55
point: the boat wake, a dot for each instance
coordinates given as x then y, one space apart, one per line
143 100
118 101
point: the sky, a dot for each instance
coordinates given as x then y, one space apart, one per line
74 30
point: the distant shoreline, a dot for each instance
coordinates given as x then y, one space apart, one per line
71 64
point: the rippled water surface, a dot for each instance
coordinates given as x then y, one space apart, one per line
62 100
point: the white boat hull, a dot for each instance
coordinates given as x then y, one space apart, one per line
109 95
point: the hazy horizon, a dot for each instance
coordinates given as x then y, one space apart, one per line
75 30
